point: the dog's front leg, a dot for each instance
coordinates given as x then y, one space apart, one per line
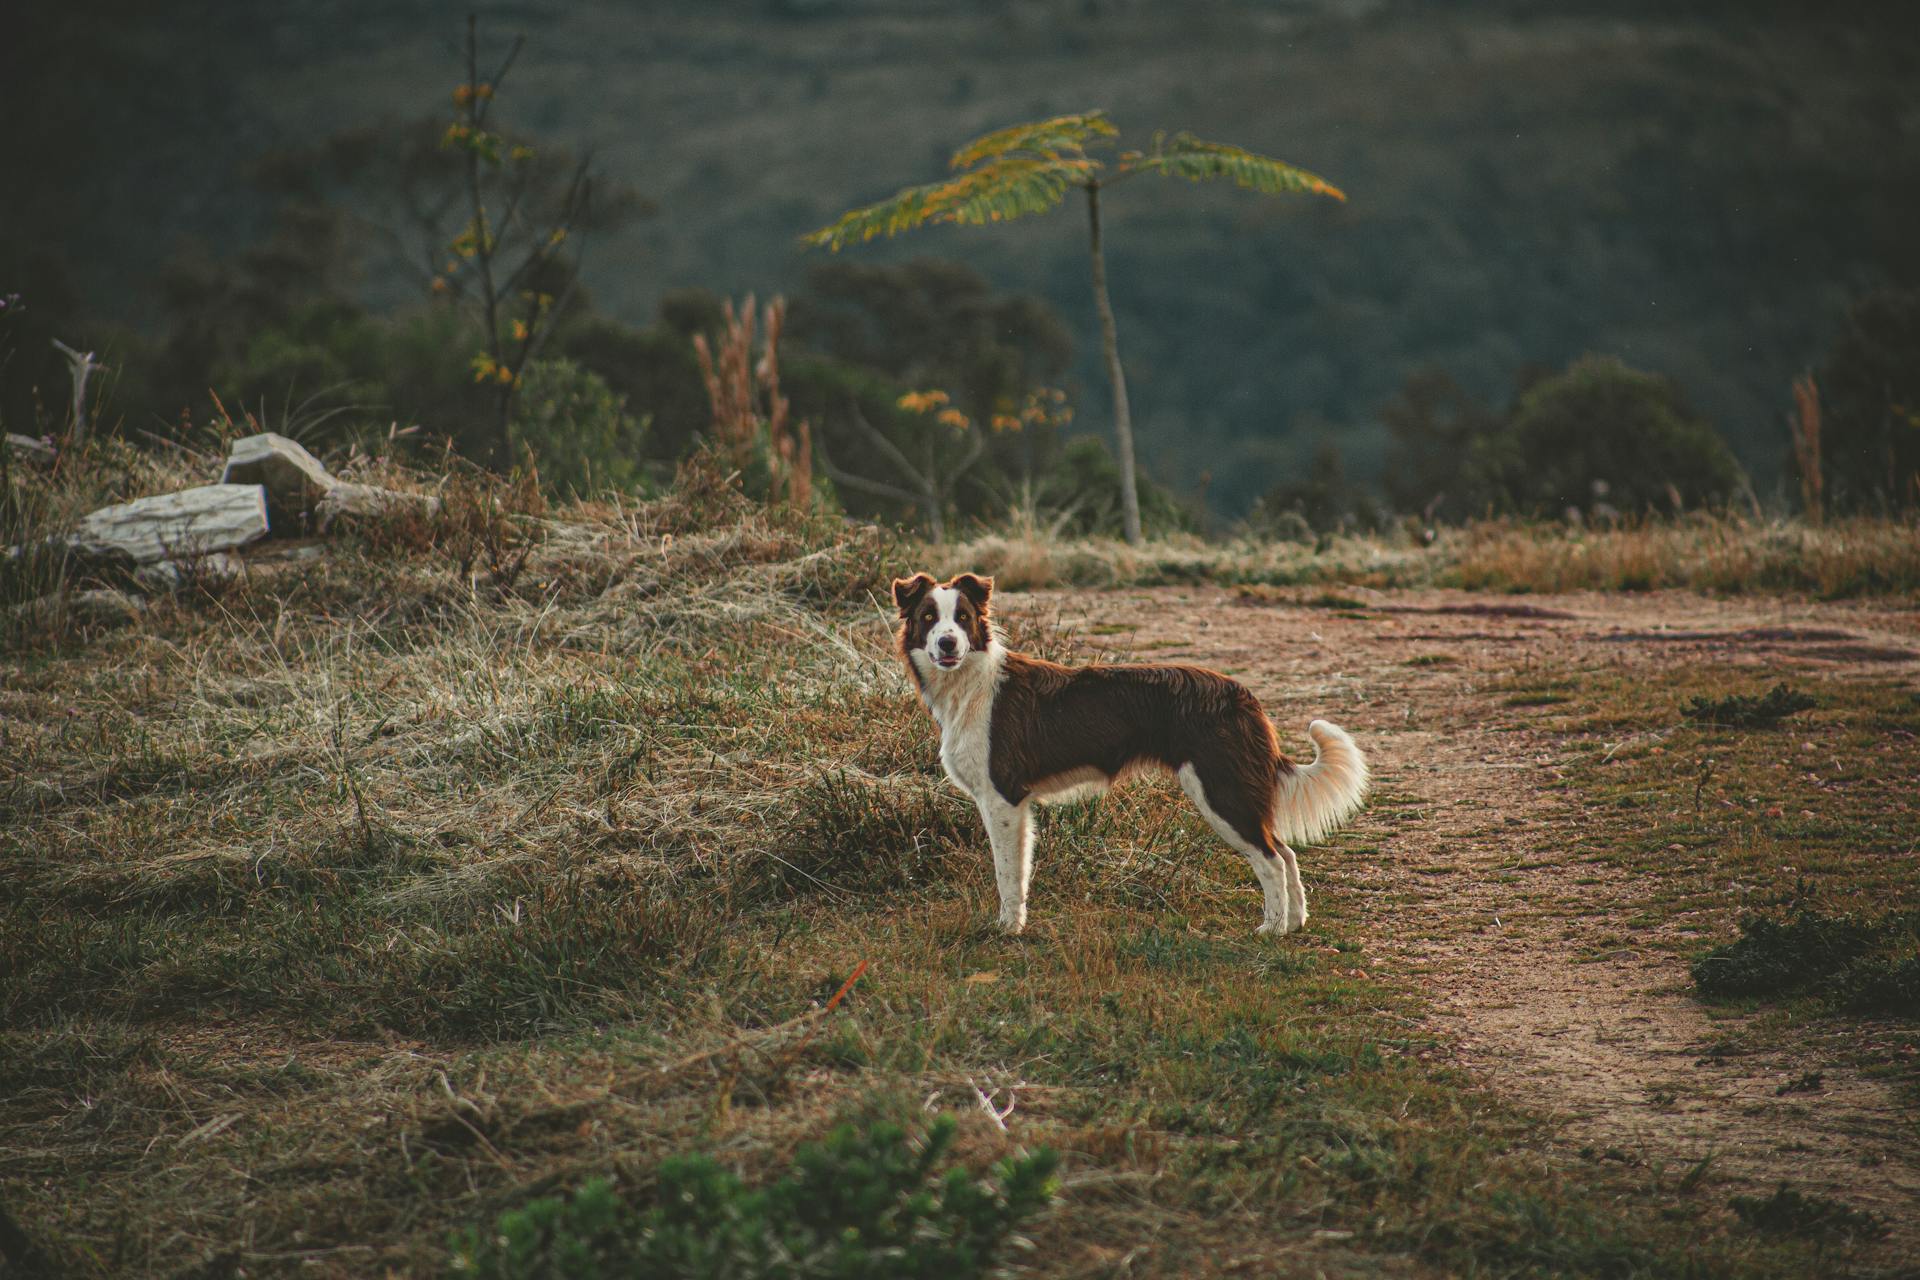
1010 830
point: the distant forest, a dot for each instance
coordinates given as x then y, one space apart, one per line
1700 195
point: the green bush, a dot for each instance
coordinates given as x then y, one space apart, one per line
654 369
1748 711
580 433
1791 1212
1866 965
863 1205
1602 430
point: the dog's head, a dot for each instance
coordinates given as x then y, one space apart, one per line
944 621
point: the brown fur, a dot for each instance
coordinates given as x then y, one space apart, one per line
1053 722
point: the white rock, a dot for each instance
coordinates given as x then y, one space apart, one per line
169 526
293 478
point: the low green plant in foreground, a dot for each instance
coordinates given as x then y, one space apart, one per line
864 1203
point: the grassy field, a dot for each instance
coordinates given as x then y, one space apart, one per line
351 904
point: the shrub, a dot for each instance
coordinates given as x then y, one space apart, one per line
1792 1212
652 369
1771 957
1866 965
1745 711
863 1205
580 433
1602 429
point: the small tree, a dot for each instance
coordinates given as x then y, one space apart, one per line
510 259
1029 168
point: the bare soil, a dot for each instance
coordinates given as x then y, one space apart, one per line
1518 950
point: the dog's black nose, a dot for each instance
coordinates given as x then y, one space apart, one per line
948 644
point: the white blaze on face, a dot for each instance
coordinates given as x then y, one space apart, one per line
947 641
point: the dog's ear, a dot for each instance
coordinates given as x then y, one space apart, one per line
975 588
908 592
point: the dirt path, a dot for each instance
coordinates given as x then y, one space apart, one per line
1478 908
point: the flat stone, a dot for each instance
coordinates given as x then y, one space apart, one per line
171 526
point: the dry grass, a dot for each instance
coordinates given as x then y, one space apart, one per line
387 890
1723 554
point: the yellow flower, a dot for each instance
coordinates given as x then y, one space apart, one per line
1005 422
559 234
922 401
484 91
484 367
519 330
439 284
503 375
951 418
462 95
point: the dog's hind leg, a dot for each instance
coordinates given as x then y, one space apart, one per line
1010 830
1267 868
1296 892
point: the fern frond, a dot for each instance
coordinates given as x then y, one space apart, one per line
998 191
1045 138
1185 156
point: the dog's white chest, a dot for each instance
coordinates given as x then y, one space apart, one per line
962 704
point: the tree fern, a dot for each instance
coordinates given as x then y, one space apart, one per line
1028 168
1005 188
1185 156
1050 139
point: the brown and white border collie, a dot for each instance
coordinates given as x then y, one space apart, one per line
1016 729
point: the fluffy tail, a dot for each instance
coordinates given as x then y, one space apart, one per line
1313 800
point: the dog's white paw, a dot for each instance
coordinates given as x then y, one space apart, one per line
1012 923
1275 928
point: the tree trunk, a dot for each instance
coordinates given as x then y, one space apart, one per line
1110 341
